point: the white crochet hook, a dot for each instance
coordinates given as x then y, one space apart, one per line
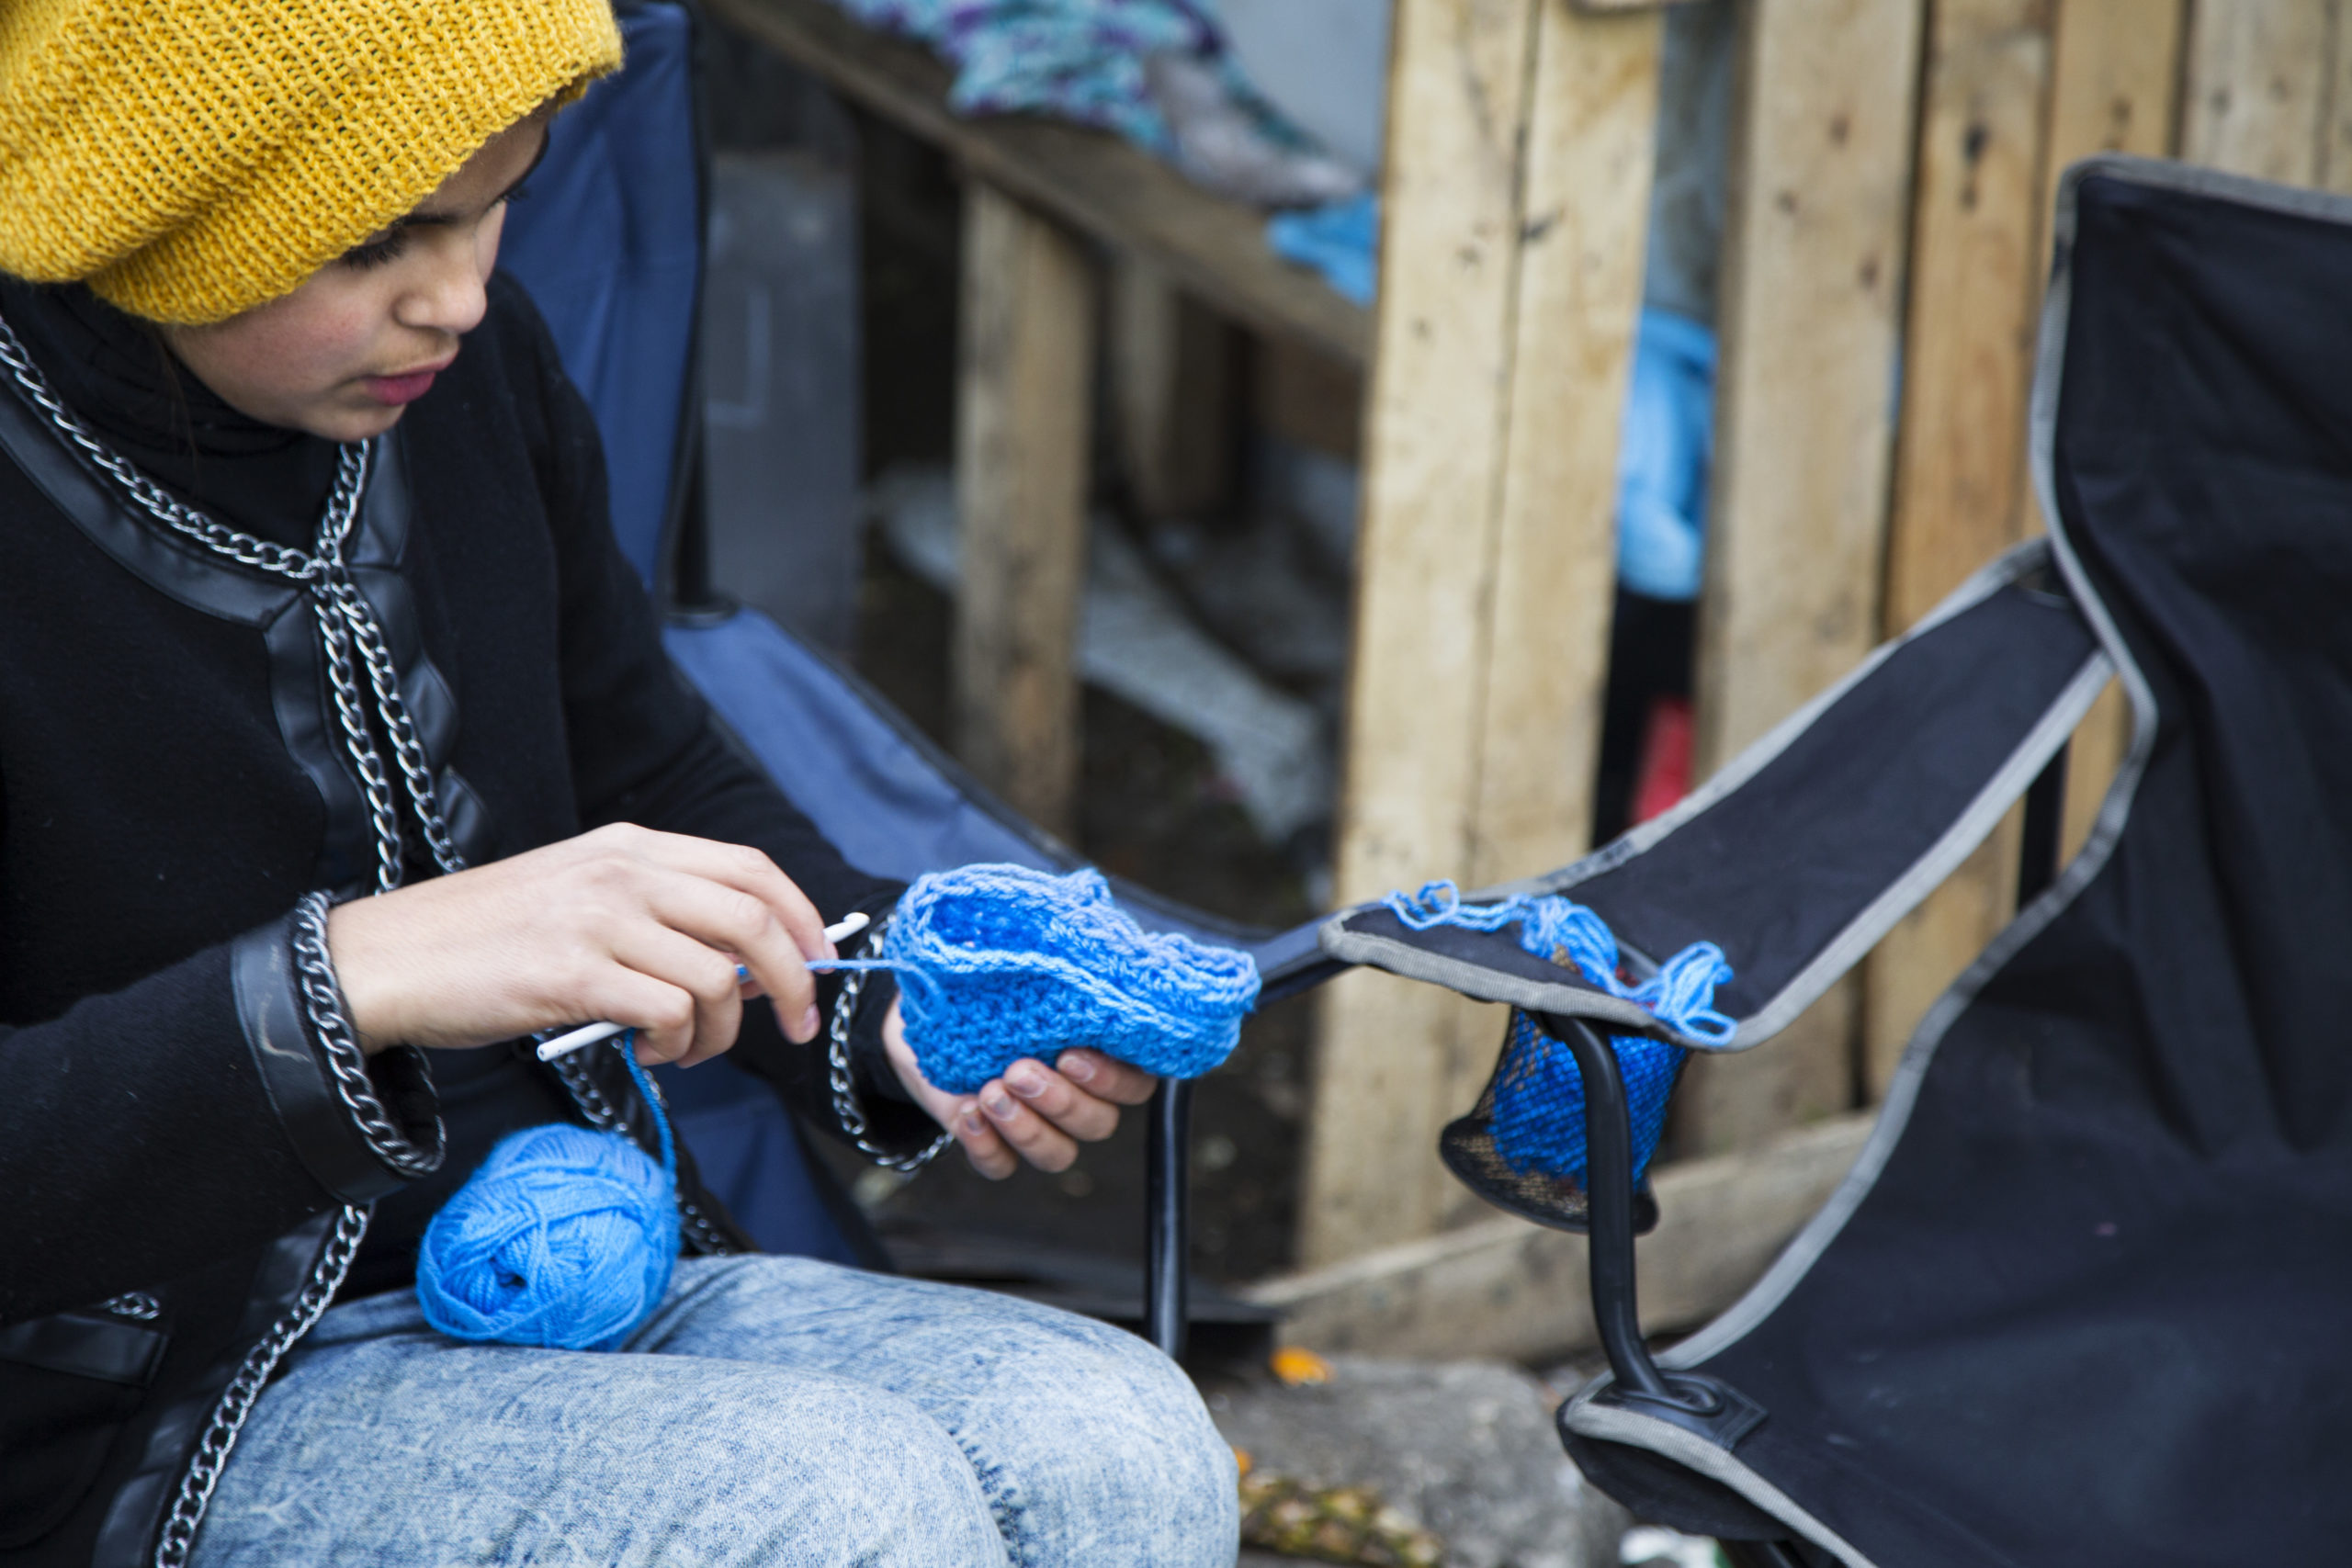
587 1035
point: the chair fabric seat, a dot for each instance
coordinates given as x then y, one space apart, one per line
2082 1301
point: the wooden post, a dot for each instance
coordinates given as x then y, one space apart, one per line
1024 409
2259 75
1516 181
1813 275
1968 363
1172 391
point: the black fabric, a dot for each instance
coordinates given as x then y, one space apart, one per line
150 812
2092 1311
120 379
1774 871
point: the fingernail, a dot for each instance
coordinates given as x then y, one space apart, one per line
973 1121
1077 1068
996 1104
809 1022
1025 1082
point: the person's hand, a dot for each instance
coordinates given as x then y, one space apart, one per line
626 924
1032 1112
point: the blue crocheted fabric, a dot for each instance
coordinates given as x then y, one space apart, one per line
1537 1116
995 963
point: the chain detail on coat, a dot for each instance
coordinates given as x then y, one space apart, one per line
347 623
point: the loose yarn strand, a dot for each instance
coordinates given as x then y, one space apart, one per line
1537 1114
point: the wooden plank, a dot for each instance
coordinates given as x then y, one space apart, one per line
1502 1287
2259 72
1812 285
1518 179
1591 142
1459 78
1024 383
2335 171
1306 398
1094 182
1959 463
1173 384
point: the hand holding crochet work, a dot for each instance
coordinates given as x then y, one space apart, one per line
998 964
1034 1113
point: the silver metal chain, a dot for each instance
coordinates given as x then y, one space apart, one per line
345 618
283 560
236 1401
847 1109
347 624
331 1026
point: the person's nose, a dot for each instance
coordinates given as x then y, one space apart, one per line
449 294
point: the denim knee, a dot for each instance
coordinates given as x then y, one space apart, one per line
480 1458
1104 1455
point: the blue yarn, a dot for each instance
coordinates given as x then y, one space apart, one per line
564 1238
996 963
1537 1117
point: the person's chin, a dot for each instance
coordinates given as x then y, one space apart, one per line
352 422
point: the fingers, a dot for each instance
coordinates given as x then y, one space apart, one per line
1060 1102
662 1014
1106 1078
1032 1138
743 869
706 978
976 1135
730 922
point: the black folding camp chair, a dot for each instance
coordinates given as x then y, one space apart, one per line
610 244
2082 1300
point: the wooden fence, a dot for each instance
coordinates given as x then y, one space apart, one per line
1893 165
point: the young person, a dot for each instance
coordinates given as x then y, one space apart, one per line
336 740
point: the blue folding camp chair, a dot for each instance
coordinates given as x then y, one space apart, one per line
610 246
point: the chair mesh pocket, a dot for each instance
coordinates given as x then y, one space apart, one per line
1522 1148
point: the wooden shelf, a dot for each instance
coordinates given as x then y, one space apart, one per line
1094 182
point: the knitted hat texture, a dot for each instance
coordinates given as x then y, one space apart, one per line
191 159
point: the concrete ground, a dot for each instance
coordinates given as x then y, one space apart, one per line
1465 1449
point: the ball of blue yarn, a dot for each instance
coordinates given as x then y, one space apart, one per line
564 1238
995 963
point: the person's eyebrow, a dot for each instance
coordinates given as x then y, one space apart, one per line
423 217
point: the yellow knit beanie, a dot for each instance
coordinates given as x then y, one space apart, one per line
190 159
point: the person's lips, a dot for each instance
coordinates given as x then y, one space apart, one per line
405 387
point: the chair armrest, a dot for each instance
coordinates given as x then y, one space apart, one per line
1807 848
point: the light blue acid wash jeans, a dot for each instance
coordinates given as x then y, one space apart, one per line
774 1411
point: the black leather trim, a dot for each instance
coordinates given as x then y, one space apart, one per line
86 1346
281 610
186 571
134 1519
293 1073
306 723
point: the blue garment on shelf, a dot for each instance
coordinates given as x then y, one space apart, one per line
1080 60
1537 1116
995 963
1342 242
1666 446
1663 458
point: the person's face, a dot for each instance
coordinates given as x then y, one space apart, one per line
346 352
